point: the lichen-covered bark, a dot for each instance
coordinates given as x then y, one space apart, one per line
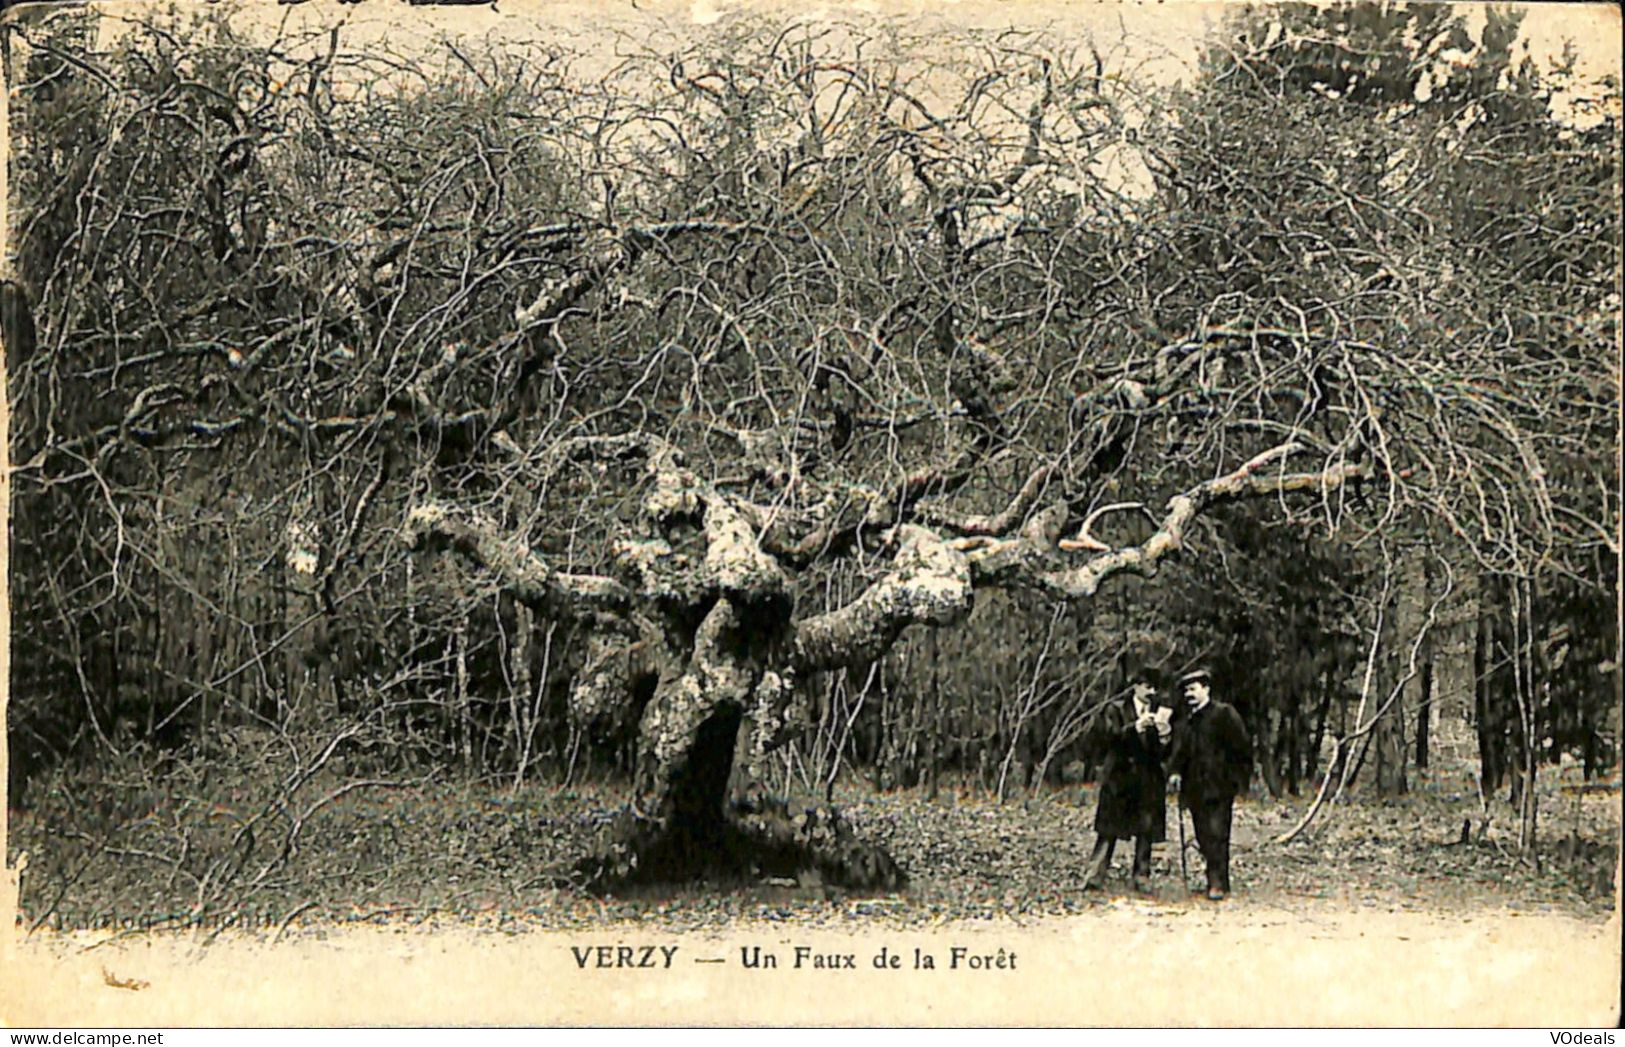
681 819
717 674
601 694
1249 480
930 582
734 561
527 576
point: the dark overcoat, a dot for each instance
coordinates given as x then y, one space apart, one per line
1133 798
1212 755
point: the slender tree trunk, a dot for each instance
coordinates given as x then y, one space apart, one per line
1294 754
1588 729
1340 762
1388 737
1526 689
284 680
1269 753
1364 745
935 749
1487 676
520 690
462 712
1423 712
882 763
1328 692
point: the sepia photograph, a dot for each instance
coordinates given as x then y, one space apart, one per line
866 513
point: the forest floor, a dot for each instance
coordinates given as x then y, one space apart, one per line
431 904
124 854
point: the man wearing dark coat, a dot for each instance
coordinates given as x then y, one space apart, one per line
1213 758
1133 797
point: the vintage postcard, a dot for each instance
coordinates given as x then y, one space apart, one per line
865 513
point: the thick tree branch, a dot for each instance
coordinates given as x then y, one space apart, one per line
1006 519
548 592
1087 541
734 561
1250 480
930 582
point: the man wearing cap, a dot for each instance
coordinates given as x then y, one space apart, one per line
1213 759
1133 797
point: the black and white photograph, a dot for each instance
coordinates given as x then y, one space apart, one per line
861 513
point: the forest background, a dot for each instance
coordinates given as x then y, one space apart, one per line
288 316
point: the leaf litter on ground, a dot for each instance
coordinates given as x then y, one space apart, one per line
487 855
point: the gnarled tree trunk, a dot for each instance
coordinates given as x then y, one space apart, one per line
702 603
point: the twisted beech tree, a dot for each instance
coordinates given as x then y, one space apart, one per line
743 356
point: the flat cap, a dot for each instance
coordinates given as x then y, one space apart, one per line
1195 676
